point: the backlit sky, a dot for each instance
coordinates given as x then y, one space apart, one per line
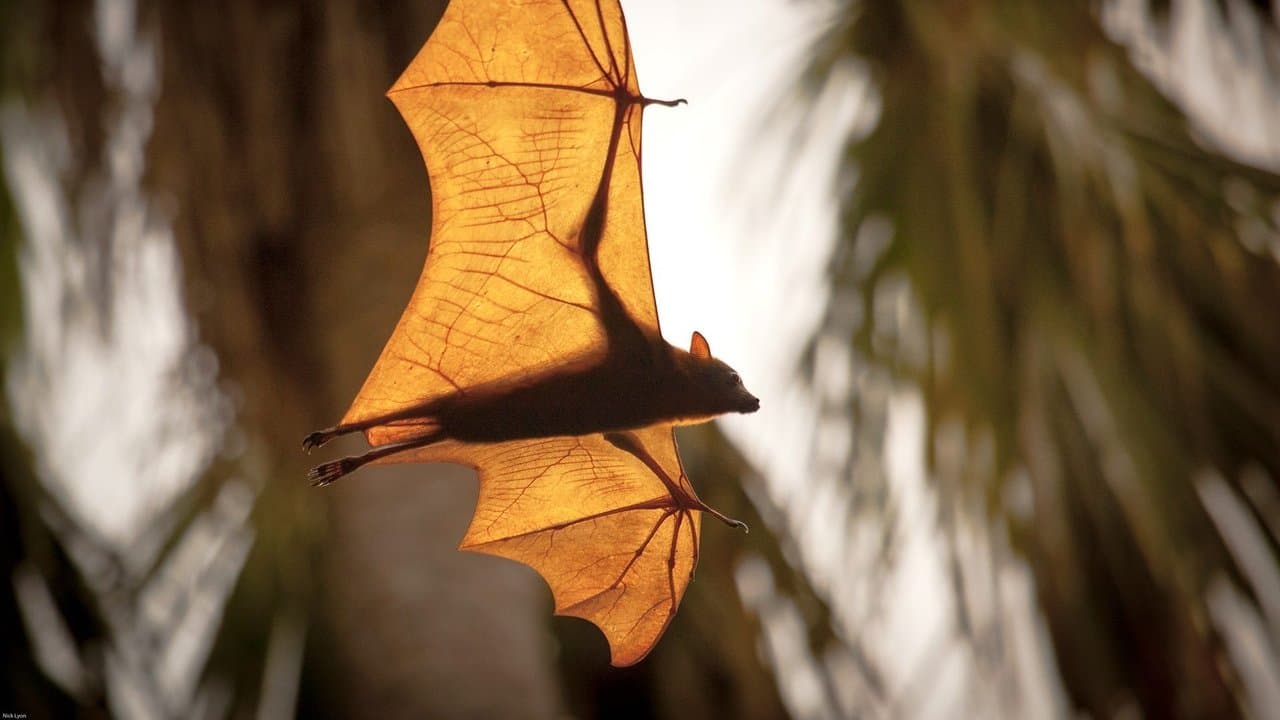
738 254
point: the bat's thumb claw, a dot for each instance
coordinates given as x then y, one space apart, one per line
738 524
664 103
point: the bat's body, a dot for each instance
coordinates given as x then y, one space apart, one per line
530 348
639 379
600 399
624 391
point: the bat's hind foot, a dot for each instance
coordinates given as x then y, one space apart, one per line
738 524
328 473
318 438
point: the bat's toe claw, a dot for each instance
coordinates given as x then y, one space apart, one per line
326 474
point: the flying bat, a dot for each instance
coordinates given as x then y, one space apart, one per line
530 349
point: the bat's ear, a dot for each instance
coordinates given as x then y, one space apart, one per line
698 346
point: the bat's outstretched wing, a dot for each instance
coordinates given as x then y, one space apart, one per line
515 107
609 521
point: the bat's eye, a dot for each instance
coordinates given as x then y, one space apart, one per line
734 379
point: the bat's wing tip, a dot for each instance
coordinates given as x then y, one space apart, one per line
626 652
401 84
626 662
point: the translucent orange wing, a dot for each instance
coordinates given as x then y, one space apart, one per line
514 106
598 517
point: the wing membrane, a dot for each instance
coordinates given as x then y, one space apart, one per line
598 522
578 44
513 106
528 114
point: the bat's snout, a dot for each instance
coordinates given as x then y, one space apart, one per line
750 404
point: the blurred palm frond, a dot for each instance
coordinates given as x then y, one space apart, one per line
1088 293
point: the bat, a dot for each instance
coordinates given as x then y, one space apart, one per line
530 349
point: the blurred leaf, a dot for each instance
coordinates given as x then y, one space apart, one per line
1090 289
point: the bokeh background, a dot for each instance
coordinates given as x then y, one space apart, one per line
1005 275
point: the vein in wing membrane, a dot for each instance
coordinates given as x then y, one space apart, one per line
575 43
504 292
624 249
513 108
614 545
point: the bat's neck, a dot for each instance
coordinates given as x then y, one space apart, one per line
677 391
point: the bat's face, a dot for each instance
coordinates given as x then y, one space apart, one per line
719 389
736 395
713 388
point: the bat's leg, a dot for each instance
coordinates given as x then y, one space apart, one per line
320 437
629 443
327 473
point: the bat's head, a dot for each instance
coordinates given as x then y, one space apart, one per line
719 389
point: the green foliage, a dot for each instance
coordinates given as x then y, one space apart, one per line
1093 296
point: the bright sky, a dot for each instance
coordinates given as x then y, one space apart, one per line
733 254
739 254
732 257
738 257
